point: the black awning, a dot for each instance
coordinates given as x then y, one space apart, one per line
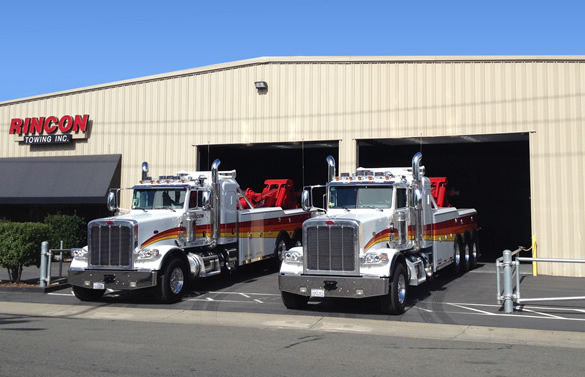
58 180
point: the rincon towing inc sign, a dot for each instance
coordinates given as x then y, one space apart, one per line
49 130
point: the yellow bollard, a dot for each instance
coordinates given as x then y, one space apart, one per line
534 268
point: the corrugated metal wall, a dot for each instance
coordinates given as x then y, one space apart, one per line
159 119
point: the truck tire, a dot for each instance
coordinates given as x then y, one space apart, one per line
473 252
465 255
282 245
293 301
297 239
173 282
86 294
457 256
395 301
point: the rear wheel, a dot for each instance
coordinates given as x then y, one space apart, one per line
173 282
465 255
395 301
473 252
457 256
293 301
86 294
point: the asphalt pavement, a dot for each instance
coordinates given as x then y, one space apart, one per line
467 300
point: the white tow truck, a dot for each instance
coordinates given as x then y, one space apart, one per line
381 232
192 225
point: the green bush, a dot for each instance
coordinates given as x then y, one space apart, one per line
71 229
20 246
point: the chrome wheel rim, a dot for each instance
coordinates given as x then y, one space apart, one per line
401 289
281 248
177 280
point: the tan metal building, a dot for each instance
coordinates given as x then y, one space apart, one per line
525 116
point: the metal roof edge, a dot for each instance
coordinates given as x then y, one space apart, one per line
300 60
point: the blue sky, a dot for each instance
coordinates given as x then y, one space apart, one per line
50 46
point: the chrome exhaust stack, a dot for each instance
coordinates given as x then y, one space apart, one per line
416 166
330 168
215 203
417 193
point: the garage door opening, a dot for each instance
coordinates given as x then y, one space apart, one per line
490 173
303 162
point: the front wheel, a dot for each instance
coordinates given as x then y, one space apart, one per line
293 301
395 301
86 294
282 245
173 282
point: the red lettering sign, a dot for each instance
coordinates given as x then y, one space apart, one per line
80 123
15 126
49 125
36 125
49 128
65 124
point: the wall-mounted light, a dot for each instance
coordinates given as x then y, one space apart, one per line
261 85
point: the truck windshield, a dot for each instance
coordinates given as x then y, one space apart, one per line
158 198
360 197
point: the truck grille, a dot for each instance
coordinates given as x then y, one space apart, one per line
110 245
331 249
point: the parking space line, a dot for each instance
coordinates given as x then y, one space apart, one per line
524 309
423 309
472 309
231 301
200 293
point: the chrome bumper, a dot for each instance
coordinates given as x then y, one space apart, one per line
334 286
112 279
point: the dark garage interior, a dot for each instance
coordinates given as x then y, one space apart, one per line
490 173
304 163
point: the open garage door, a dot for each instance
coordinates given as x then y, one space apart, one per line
303 162
490 173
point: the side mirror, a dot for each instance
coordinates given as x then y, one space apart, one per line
112 202
205 200
306 200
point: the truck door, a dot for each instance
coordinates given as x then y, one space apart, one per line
229 220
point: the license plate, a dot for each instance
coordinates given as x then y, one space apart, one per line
317 293
99 285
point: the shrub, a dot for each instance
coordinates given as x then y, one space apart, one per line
20 246
71 229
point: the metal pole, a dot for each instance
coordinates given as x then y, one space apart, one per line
498 285
517 268
61 260
44 253
49 268
508 289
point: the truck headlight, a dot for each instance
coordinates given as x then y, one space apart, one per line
148 254
79 253
374 258
292 257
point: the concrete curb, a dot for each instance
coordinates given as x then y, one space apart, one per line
542 338
39 289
